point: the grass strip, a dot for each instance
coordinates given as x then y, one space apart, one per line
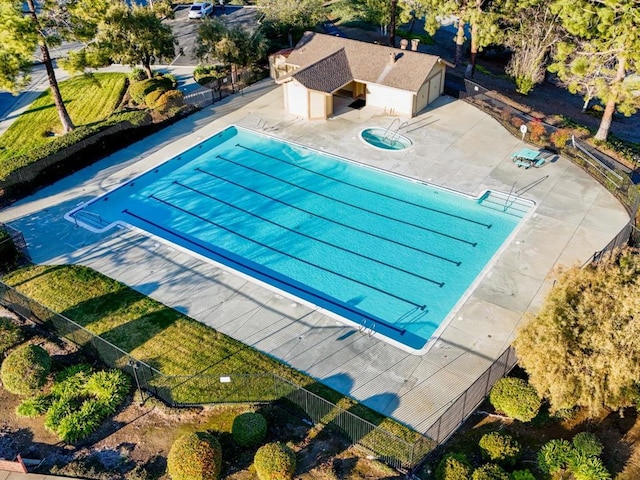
88 98
162 337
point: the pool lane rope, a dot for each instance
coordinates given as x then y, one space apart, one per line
343 202
327 219
365 189
281 281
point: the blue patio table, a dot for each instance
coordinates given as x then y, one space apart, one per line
526 154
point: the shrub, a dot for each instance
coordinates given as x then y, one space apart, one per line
590 468
195 456
490 471
137 74
515 398
170 99
522 475
8 252
516 121
10 334
453 466
249 429
25 370
536 130
151 100
500 448
587 444
275 461
34 406
553 456
139 90
205 74
524 84
560 137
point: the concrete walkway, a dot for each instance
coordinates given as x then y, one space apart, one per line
454 145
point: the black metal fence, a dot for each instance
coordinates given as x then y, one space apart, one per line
18 240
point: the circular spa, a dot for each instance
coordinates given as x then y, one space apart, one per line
384 139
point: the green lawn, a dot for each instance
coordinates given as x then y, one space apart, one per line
162 337
88 99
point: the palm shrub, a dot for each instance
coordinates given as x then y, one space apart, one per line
490 471
553 456
249 429
500 448
454 466
275 461
195 456
515 398
588 468
25 370
34 406
10 335
587 444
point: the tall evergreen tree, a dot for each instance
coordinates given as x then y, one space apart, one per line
605 38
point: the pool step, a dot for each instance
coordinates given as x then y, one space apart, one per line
510 204
90 221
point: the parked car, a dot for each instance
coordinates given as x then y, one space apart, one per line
200 10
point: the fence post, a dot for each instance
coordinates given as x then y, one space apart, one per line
134 368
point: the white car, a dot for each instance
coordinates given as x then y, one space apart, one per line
201 10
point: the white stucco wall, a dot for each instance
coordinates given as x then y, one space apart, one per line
400 101
317 105
296 99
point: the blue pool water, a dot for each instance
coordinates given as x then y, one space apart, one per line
387 253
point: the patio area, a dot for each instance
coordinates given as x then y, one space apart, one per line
454 145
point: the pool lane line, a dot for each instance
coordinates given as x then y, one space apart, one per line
327 299
373 212
324 242
459 217
309 212
397 297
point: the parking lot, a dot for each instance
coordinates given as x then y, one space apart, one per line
185 30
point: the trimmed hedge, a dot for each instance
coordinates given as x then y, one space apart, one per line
490 471
139 90
25 370
454 466
10 334
500 448
275 461
515 398
170 99
195 456
151 100
249 429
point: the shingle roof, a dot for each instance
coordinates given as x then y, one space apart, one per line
327 74
367 62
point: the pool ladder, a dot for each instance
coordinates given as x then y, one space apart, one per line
368 331
391 135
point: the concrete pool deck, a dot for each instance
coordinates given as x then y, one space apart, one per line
455 145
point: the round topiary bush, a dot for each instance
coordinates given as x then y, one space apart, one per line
489 471
515 398
195 456
249 429
139 90
10 335
169 100
587 444
275 461
500 448
25 370
454 466
151 99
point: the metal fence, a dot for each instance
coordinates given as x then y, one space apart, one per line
186 390
467 403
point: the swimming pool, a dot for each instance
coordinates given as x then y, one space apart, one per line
390 255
